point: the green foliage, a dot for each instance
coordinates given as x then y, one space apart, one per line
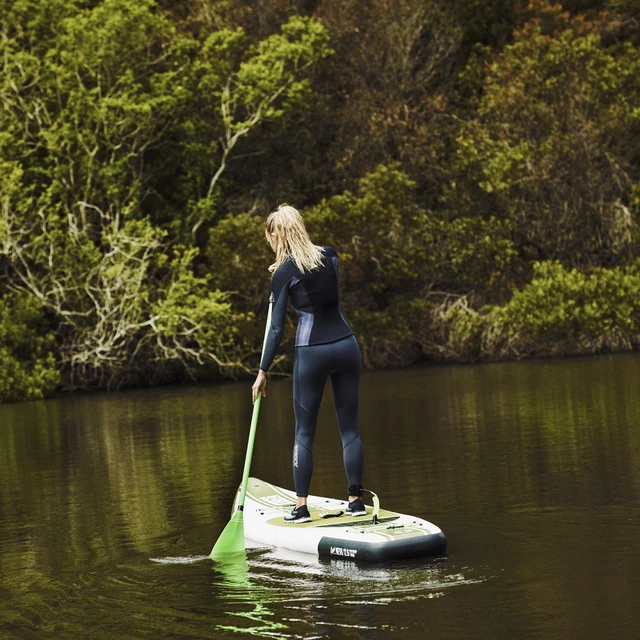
91 108
475 254
272 67
193 324
235 87
27 362
569 309
394 336
397 258
548 149
461 331
380 234
561 311
238 256
443 148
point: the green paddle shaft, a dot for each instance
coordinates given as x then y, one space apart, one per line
254 426
249 454
231 540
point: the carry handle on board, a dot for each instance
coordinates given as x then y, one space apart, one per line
376 507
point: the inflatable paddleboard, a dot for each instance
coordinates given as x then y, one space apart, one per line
334 533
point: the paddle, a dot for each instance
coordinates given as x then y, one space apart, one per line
231 540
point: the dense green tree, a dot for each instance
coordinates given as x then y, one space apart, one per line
234 87
27 345
474 163
560 312
552 146
87 112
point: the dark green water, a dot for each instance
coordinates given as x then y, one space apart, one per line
531 469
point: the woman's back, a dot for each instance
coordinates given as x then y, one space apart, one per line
315 297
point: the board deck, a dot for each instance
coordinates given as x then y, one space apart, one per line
335 534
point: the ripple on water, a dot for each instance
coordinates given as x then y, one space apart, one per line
283 576
285 594
180 559
324 595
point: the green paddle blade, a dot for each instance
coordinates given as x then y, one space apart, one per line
231 540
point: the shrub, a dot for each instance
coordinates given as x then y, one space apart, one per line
27 364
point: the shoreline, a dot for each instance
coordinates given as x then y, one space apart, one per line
215 383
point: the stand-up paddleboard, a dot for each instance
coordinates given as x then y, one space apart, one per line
332 532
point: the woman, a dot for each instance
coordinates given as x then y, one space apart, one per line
325 347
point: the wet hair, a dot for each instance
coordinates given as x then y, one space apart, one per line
292 240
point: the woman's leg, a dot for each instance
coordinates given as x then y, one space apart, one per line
346 386
310 374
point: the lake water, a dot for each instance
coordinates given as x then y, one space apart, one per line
110 504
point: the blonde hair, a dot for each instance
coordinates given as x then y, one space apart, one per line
292 240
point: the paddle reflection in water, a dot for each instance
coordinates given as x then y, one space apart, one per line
286 594
320 593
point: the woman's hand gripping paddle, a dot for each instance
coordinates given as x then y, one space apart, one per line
231 540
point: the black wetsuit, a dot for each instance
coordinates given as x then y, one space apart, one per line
325 347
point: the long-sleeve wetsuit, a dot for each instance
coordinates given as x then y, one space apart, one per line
325 347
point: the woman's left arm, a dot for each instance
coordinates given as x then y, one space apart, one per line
279 301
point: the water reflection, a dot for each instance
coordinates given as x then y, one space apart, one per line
284 594
532 470
311 592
